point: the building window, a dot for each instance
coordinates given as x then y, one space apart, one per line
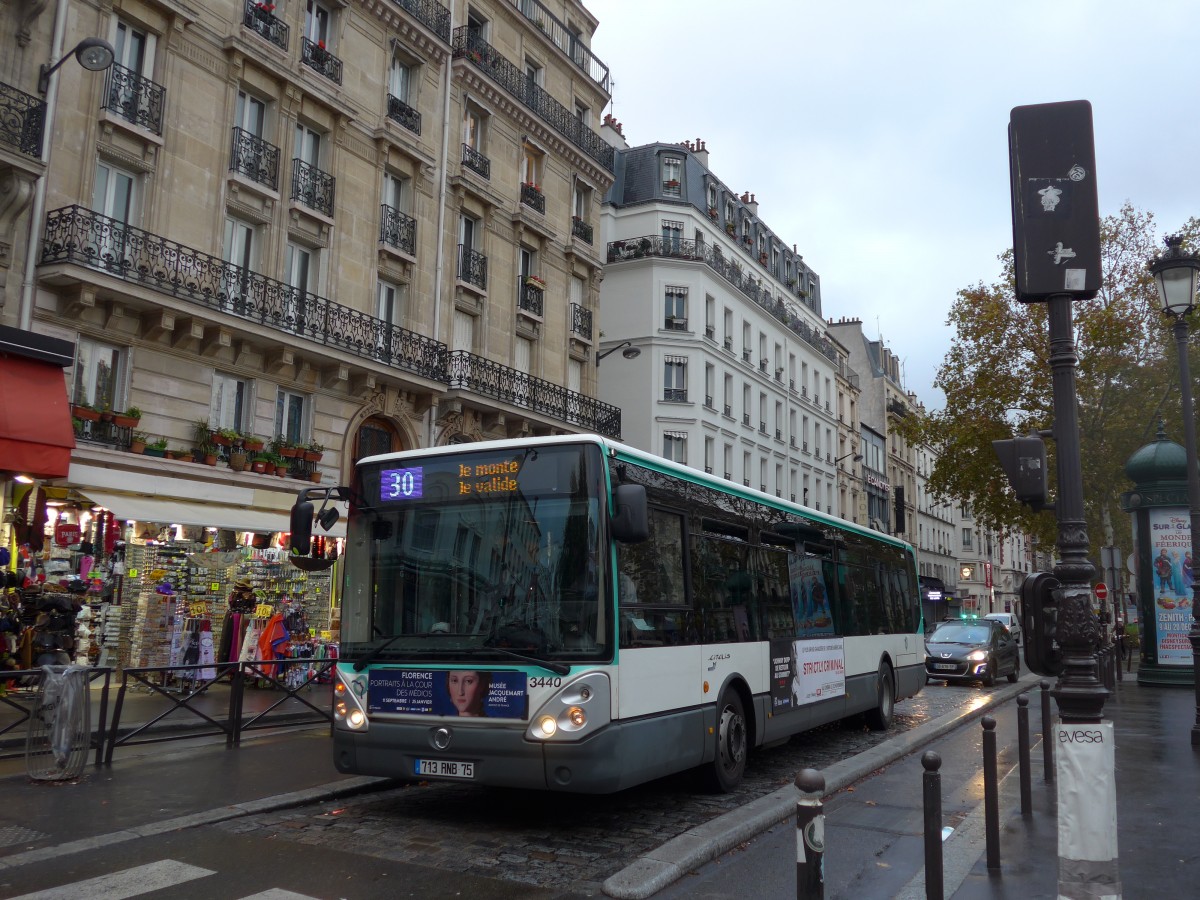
230 403
672 172
675 446
301 273
316 22
672 233
291 416
966 533
532 160
675 378
463 335
583 114
675 309
98 373
402 78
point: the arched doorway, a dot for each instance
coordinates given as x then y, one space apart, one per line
376 435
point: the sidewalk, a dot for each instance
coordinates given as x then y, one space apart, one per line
874 837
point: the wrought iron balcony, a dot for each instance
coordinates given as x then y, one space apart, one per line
472 267
261 20
432 15
654 245
532 196
255 158
312 187
78 235
134 98
531 297
581 321
492 379
469 45
397 230
22 119
403 114
105 434
475 161
581 229
675 395
675 323
320 60
565 40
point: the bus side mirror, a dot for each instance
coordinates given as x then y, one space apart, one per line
630 522
301 525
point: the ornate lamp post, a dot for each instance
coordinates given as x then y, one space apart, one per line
1177 273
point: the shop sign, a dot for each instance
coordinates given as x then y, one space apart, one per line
881 484
66 534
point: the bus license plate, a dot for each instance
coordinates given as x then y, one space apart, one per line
943 667
445 768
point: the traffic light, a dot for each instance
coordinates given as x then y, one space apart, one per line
901 516
1039 614
1024 462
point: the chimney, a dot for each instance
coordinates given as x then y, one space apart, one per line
613 133
701 153
753 204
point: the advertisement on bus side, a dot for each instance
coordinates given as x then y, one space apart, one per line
806 671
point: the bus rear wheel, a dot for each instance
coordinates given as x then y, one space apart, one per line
880 718
729 764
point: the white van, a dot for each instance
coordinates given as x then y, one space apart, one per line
1009 621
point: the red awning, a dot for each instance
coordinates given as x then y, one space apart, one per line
36 437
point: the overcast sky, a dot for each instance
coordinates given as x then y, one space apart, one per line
874 135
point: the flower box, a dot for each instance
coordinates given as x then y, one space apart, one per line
86 413
124 421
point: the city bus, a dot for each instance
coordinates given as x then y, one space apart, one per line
569 613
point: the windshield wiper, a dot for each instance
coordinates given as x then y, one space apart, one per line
549 665
373 654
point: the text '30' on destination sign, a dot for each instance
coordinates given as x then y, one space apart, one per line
1056 214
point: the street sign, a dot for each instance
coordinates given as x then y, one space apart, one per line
1056 214
1101 591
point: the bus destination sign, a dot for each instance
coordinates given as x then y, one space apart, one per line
499 477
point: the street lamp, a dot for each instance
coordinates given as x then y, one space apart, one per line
94 54
1176 273
857 457
627 350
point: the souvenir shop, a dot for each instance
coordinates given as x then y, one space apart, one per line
90 583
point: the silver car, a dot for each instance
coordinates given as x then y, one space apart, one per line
1009 621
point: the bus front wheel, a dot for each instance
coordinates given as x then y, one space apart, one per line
729 764
880 718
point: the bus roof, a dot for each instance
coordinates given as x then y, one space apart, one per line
650 461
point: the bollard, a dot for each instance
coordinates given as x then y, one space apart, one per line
810 836
991 805
1023 754
931 789
1047 740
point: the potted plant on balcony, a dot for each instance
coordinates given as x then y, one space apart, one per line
282 464
137 443
259 463
283 448
157 448
252 443
237 458
313 452
225 437
86 412
712 213
206 452
729 229
128 419
535 281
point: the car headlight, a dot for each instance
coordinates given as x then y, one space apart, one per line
977 655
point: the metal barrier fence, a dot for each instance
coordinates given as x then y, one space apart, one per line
187 704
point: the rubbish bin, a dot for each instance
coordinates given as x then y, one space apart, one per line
56 748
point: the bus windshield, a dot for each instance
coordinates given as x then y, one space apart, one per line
477 554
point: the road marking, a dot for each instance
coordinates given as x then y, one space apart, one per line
278 894
133 882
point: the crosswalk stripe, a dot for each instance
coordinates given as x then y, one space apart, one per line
278 894
127 883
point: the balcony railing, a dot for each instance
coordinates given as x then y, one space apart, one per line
472 267
564 39
312 187
432 15
320 60
264 23
106 434
134 98
397 230
581 229
654 245
403 114
255 158
78 235
532 196
469 45
475 161
581 321
22 118
675 395
531 297
491 379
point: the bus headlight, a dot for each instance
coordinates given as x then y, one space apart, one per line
357 720
348 711
575 710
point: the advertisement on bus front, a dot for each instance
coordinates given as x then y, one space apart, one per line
457 692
